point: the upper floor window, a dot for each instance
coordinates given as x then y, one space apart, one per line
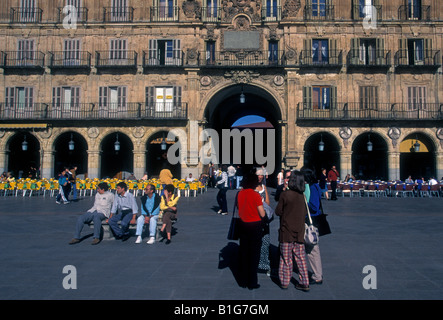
368 97
318 8
320 51
211 11
25 52
118 49
28 11
165 52
319 97
120 11
272 10
416 98
65 98
414 9
164 99
19 97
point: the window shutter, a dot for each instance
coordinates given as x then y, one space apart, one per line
402 58
103 97
380 49
10 97
333 54
153 52
177 52
307 51
307 97
333 97
428 51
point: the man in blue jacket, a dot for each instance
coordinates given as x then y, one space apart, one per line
150 209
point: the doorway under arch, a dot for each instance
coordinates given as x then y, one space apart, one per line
71 149
370 164
156 158
418 164
116 162
24 163
317 159
226 107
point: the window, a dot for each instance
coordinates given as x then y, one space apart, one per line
71 52
28 11
368 49
77 5
165 52
319 97
112 100
118 50
414 9
416 98
163 101
25 52
272 9
210 52
320 51
368 97
65 100
165 9
415 51
273 52
319 8
212 8
19 102
119 10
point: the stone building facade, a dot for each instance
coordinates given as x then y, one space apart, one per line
342 73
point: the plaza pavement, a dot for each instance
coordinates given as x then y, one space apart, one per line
400 237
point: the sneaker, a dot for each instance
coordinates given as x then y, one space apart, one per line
74 241
139 239
66 202
57 202
219 211
95 241
168 241
224 213
151 240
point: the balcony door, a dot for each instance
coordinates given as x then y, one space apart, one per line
414 9
19 102
112 101
65 102
28 11
119 10
320 51
71 52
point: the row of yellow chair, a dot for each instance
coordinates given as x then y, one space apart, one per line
89 186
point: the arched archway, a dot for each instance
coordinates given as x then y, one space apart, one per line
71 149
315 158
117 158
417 163
24 161
370 163
226 107
156 159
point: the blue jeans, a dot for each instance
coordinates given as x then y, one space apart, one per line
239 179
152 225
221 199
89 217
123 229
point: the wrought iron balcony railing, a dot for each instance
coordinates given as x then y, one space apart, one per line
372 111
80 14
155 59
418 58
164 13
408 12
317 58
369 58
272 13
26 15
117 14
116 59
69 59
93 111
211 14
23 59
242 59
319 12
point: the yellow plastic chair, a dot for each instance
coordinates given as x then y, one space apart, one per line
183 187
194 188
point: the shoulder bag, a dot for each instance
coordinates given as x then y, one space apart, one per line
311 232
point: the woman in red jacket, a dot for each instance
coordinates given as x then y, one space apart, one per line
251 212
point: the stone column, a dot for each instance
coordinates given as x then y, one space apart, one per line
4 160
139 163
94 163
394 165
47 165
345 163
294 152
439 165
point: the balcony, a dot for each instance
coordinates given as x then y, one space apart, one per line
371 13
118 15
319 12
70 60
94 111
26 15
375 111
31 60
116 59
418 13
242 59
271 13
155 59
376 60
81 15
211 14
164 14
424 60
312 59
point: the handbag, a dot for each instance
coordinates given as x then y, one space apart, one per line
234 232
322 223
311 232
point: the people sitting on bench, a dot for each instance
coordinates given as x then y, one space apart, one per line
99 212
